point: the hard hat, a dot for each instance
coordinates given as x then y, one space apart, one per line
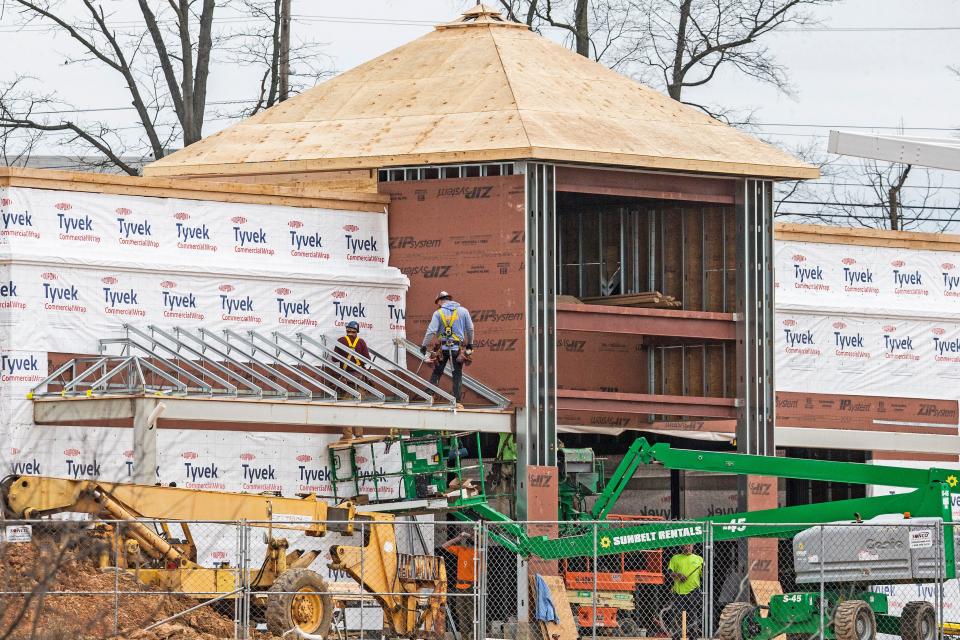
443 295
353 324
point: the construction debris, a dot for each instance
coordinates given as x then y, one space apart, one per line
647 300
52 572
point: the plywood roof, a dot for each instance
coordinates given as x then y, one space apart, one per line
479 89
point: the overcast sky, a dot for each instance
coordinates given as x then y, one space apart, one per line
875 63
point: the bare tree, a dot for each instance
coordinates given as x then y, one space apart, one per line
790 191
184 66
674 44
870 194
894 196
691 39
285 67
164 63
25 111
16 147
605 30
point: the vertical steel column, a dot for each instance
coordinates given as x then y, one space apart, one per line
144 442
623 251
601 276
580 276
651 286
536 433
754 306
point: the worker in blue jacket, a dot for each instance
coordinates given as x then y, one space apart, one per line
452 325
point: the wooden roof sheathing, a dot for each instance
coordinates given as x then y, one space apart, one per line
285 195
479 90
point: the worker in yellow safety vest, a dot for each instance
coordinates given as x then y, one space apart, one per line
452 325
348 346
686 572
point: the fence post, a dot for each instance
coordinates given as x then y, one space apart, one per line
346 627
475 588
593 621
116 577
822 587
483 554
707 605
238 554
523 594
242 606
941 575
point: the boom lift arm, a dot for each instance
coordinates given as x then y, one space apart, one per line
931 496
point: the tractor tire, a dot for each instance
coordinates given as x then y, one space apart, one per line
628 628
733 619
299 598
854 620
5 509
918 621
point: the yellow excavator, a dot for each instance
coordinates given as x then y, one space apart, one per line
136 524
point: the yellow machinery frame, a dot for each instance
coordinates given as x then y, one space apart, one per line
393 578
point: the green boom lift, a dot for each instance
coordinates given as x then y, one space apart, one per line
850 611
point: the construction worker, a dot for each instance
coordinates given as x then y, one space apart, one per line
504 462
461 563
352 343
452 325
686 572
348 346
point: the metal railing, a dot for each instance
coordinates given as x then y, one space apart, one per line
229 364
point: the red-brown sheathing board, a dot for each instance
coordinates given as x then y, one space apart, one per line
466 236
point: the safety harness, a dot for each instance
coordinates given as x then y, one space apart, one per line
352 345
447 335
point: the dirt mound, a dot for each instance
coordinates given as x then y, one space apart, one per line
64 595
170 631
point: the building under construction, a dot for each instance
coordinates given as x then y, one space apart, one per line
614 245
618 255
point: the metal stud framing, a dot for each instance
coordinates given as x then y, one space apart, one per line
754 300
537 435
188 363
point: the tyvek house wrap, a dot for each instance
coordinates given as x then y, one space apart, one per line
878 321
74 267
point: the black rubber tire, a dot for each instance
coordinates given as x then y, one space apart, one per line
5 485
280 606
854 620
628 628
918 621
732 619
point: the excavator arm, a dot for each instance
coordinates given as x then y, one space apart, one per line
37 496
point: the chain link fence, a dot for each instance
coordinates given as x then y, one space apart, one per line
430 578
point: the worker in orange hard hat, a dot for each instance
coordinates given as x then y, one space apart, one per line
452 325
